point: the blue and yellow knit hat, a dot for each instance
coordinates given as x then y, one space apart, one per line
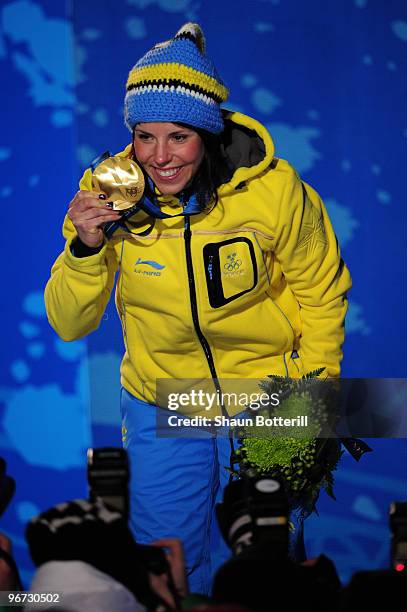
176 82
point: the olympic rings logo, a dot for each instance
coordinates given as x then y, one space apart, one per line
232 264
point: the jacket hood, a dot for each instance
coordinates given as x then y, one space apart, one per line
248 149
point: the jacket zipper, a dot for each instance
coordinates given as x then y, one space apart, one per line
194 311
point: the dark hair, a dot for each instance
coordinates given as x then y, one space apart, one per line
211 172
210 175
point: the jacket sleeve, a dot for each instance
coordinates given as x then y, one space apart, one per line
79 289
308 252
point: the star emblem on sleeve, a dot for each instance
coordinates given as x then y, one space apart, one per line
312 232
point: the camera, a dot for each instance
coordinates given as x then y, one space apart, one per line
253 517
398 526
108 478
7 486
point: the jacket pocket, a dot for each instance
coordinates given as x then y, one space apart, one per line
230 270
284 322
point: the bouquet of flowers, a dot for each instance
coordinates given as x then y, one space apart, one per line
304 464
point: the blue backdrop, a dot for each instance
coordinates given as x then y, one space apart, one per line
328 79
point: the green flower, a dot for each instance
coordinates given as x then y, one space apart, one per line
266 453
304 464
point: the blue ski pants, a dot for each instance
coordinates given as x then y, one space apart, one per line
175 483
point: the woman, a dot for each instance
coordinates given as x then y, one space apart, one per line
238 275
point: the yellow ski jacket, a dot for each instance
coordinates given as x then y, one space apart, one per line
254 287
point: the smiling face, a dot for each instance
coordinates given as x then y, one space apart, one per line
169 153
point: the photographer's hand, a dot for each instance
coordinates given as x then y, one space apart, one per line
89 211
160 584
9 578
176 561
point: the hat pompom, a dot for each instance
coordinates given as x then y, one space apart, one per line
193 30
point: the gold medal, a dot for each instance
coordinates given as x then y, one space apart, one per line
121 179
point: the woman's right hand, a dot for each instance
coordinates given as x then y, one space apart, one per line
89 211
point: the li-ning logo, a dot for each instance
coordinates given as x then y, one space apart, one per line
148 262
232 265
